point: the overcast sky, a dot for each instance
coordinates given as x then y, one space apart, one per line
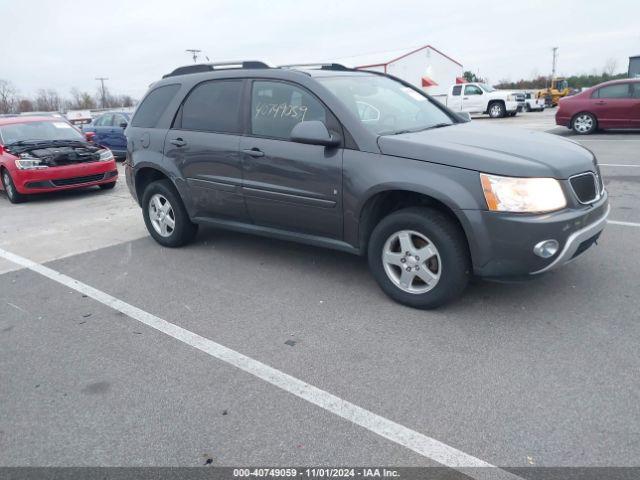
62 44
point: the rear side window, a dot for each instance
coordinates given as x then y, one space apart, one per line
636 89
456 90
104 121
213 107
619 90
153 106
277 107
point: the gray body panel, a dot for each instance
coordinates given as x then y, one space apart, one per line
319 195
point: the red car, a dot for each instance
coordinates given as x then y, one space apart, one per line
610 105
46 154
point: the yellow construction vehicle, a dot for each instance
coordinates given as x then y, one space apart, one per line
559 88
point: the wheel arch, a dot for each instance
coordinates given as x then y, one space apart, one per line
385 201
146 174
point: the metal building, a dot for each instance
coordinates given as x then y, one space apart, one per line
425 67
634 66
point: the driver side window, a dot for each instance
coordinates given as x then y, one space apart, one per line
472 90
277 107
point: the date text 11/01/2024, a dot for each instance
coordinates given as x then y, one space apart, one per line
316 472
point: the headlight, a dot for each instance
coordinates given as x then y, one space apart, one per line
105 155
30 164
523 195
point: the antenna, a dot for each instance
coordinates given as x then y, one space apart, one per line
194 53
102 90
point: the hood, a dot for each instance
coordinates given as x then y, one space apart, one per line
493 149
56 152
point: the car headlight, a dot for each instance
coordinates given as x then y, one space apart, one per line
105 155
522 195
30 163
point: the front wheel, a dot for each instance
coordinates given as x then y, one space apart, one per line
419 257
584 124
10 189
165 216
497 110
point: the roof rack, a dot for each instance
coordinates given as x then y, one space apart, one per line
322 66
208 67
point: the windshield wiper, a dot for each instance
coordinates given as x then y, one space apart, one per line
414 130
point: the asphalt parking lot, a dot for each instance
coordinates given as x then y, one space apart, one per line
540 373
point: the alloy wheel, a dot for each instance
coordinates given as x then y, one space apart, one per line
162 215
8 185
583 123
411 261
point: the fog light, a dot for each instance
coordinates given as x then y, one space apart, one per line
546 248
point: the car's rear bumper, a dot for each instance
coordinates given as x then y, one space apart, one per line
503 243
65 177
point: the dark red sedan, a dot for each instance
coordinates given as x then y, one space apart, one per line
45 154
610 105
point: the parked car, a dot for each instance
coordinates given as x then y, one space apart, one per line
107 130
45 154
361 162
610 105
78 118
483 98
532 103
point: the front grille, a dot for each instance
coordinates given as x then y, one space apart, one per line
62 182
585 186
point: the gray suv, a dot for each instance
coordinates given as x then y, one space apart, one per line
364 163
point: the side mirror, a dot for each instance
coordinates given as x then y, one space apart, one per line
123 125
314 132
464 116
89 136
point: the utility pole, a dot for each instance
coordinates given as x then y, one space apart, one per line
555 62
194 52
103 93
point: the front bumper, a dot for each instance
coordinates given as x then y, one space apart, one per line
65 177
502 243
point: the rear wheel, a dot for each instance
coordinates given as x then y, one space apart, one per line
584 123
497 110
13 194
419 257
165 216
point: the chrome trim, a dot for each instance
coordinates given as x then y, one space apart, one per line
596 183
574 241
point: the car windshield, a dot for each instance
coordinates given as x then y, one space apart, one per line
386 106
42 130
487 88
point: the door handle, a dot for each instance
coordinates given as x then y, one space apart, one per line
178 142
254 152
601 103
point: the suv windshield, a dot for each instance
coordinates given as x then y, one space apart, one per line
34 131
386 106
487 88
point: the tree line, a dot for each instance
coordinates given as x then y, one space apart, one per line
49 100
574 81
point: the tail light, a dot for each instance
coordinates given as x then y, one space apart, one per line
89 136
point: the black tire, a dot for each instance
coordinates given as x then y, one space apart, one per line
107 186
527 107
448 239
584 123
513 114
13 195
184 230
497 110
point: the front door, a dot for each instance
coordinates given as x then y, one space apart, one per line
290 185
203 144
472 101
102 128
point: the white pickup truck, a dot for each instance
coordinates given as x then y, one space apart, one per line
482 98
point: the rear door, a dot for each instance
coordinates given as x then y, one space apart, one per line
290 185
116 135
472 100
203 143
612 105
454 101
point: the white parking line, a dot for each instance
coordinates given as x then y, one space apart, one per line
626 224
423 445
